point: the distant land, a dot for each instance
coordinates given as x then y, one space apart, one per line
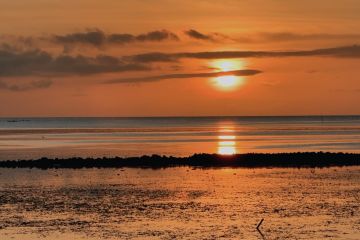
248 160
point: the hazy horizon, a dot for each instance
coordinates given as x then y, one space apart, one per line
186 116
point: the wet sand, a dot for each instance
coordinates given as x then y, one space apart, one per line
182 203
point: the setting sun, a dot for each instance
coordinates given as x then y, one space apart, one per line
227 82
227 65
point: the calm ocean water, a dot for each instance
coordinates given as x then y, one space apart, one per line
27 138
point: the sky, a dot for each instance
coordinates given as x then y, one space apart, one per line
179 58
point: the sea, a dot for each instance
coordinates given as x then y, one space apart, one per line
178 202
32 138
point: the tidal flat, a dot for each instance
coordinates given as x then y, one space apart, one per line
181 203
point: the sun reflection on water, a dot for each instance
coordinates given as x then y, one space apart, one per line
226 143
226 150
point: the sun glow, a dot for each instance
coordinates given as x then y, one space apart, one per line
227 65
226 147
227 82
226 150
226 137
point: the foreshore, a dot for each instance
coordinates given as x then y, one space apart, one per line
247 160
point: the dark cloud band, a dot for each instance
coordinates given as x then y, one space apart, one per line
266 37
39 63
246 72
39 84
198 35
98 38
341 52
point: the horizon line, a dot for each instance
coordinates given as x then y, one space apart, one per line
188 116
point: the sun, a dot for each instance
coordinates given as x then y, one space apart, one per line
227 65
227 82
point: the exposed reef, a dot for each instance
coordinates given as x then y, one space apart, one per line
248 160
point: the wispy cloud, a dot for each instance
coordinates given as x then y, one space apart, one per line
340 52
38 84
98 38
246 72
38 63
266 37
198 35
212 37
152 57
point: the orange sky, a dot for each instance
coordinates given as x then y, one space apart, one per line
259 57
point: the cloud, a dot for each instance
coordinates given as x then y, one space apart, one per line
291 36
152 57
340 52
157 36
213 37
98 38
198 35
38 62
264 37
246 72
38 84
121 38
14 63
345 51
11 42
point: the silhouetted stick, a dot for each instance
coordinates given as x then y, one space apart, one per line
257 227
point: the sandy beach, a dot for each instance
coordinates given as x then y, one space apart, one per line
181 203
